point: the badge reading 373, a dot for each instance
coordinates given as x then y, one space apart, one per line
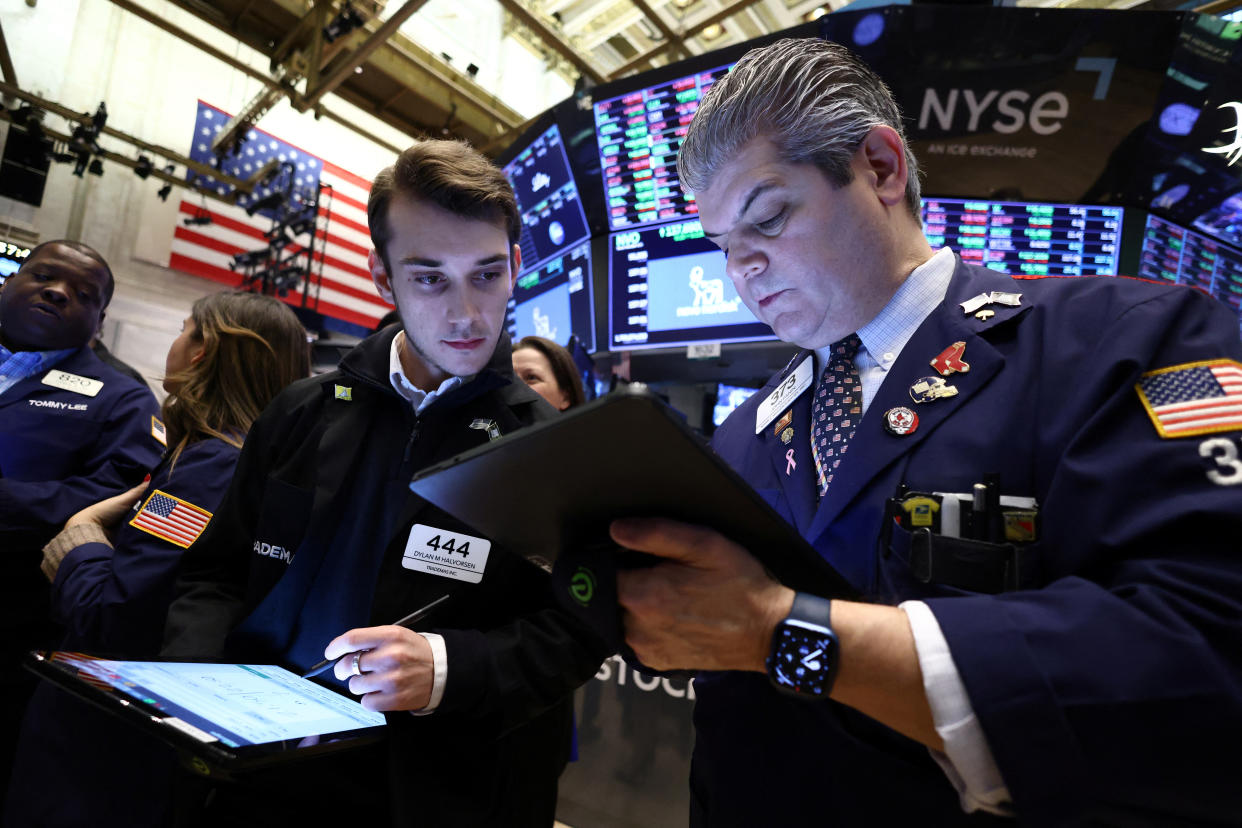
447 554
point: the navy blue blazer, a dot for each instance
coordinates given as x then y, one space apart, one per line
1111 687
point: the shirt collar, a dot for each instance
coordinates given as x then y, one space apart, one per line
416 397
885 335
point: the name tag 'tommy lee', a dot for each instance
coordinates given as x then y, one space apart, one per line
447 554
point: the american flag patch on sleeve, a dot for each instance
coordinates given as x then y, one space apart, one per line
1193 398
172 519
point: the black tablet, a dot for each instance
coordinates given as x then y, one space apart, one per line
552 489
226 716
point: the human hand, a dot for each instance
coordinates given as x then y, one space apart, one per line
395 669
107 513
709 606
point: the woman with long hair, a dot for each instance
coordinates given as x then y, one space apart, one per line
113 566
549 370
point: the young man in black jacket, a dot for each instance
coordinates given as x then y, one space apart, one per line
319 542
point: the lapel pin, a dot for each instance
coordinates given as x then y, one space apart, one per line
931 388
493 431
985 315
1002 298
784 421
790 463
787 435
950 361
344 392
975 302
900 421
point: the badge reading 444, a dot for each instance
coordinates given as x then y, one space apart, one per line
447 554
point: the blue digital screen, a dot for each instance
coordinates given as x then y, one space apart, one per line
1171 253
1026 238
729 397
554 299
668 287
552 215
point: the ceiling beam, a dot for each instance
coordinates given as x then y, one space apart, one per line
6 62
345 66
669 35
244 186
693 31
552 39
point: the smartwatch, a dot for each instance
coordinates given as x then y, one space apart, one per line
803 659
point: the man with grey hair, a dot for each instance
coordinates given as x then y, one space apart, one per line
1029 482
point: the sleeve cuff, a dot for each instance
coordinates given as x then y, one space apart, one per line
967 760
439 666
71 537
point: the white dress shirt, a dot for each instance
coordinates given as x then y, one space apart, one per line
967 759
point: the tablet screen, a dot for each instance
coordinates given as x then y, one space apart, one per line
235 704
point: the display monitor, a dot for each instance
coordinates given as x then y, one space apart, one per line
729 397
639 134
1174 254
667 286
11 258
552 215
554 299
1027 239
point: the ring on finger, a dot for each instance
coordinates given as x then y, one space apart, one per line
356 666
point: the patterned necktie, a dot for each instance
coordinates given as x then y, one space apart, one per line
836 409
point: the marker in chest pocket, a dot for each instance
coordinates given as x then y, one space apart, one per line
446 554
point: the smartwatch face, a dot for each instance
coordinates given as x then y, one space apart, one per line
803 659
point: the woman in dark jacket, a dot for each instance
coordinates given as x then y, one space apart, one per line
112 567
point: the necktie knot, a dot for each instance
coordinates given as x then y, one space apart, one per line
846 348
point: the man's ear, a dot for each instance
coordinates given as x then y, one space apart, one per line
99 324
884 156
515 264
379 275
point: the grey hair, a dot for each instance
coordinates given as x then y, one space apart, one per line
816 99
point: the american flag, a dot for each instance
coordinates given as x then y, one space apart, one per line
172 519
1195 398
346 291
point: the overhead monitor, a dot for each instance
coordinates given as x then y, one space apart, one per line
11 258
667 286
729 397
639 134
1026 238
552 215
1174 254
554 300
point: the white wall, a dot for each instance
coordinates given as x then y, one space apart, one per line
79 52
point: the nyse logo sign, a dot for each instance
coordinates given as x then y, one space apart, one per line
1013 110
1008 111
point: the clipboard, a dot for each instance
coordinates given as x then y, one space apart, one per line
549 492
220 717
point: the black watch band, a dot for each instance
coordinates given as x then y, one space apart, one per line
803 657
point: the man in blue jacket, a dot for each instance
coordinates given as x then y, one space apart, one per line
1033 485
73 431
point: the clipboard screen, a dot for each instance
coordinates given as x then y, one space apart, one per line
239 713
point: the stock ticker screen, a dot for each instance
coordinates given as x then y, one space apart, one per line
667 286
639 134
554 299
1027 239
1172 253
552 215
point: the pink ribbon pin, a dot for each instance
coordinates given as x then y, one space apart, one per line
792 464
